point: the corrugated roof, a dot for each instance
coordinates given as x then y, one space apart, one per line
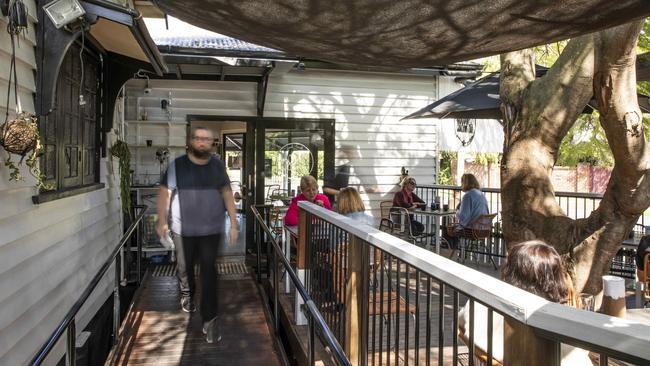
219 42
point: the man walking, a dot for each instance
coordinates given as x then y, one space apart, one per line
199 190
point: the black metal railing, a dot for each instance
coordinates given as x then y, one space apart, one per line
575 205
276 258
68 325
411 299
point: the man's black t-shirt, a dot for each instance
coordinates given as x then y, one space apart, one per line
197 207
340 180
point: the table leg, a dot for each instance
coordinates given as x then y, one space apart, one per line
437 233
286 247
300 317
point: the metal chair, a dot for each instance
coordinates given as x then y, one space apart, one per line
385 224
474 239
400 219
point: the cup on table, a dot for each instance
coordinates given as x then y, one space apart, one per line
445 207
587 301
614 296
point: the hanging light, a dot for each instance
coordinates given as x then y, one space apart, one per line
63 12
465 130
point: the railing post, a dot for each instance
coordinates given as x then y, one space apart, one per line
258 247
116 304
356 308
304 235
139 260
71 345
523 347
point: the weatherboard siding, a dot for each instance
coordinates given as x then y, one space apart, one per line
48 252
367 108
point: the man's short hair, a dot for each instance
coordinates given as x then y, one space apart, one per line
197 128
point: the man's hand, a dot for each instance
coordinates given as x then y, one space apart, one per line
162 229
320 203
233 234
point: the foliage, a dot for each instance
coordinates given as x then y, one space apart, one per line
299 163
487 158
585 143
444 174
120 150
21 136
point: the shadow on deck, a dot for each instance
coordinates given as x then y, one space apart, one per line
157 332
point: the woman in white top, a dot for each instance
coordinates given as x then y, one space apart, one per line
536 267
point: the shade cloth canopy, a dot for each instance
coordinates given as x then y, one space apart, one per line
481 100
406 33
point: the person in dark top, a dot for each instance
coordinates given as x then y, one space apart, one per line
641 250
333 185
198 188
407 198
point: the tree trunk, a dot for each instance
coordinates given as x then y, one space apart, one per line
538 114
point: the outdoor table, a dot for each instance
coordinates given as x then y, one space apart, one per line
435 216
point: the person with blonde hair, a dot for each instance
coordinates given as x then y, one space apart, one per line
351 205
407 198
472 205
308 192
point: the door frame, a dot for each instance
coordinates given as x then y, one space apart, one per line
254 151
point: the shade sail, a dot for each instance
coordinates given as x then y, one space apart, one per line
480 100
405 33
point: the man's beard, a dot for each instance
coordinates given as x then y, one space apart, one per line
201 154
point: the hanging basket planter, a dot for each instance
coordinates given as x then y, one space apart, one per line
19 136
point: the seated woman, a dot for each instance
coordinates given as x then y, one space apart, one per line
408 199
536 267
472 205
350 205
308 192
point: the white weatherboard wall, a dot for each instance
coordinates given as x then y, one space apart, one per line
367 108
49 252
168 128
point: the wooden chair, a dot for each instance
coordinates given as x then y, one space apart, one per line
385 224
474 239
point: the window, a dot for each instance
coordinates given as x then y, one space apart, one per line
70 132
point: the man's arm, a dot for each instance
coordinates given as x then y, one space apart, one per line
162 208
229 201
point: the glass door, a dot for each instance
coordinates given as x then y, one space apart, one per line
287 151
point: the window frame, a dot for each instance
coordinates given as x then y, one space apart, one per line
82 182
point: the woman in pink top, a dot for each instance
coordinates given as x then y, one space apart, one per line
309 192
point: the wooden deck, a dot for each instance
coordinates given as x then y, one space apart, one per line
157 332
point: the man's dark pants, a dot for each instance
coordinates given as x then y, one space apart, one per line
188 249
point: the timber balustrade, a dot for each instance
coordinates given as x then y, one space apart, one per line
390 302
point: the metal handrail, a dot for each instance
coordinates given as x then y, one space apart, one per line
316 318
68 322
498 190
592 331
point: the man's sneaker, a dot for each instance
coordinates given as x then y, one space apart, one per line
211 331
187 304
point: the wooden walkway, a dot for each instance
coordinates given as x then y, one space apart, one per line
157 332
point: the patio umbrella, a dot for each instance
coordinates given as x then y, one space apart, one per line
480 100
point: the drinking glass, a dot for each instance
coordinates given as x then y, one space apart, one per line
587 301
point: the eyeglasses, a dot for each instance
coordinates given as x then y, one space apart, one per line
202 139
